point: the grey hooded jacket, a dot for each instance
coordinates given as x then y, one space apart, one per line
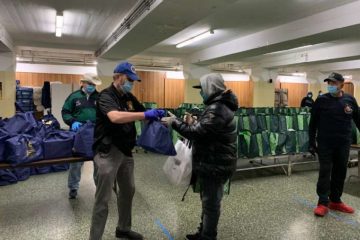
214 134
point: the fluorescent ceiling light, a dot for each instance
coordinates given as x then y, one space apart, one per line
349 77
59 21
59 25
58 32
195 39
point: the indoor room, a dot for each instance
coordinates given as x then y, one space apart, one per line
168 120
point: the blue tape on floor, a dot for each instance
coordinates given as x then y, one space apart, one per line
338 217
164 230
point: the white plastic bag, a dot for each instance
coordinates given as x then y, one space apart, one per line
178 168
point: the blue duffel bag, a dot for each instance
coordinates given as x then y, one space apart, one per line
58 144
23 148
155 137
3 137
7 177
22 174
41 170
84 140
50 121
20 123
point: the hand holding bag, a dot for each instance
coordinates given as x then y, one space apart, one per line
155 137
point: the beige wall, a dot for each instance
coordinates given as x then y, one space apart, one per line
264 94
7 78
191 94
7 103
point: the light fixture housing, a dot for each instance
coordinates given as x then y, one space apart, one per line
59 23
195 39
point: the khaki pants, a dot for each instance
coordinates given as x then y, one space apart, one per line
110 167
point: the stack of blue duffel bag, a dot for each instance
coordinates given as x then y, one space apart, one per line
23 139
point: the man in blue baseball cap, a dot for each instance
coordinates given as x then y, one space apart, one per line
115 137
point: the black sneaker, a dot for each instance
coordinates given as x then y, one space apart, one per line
72 194
128 235
195 236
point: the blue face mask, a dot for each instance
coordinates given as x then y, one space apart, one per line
203 95
90 89
127 87
332 89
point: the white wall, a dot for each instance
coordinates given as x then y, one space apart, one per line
59 69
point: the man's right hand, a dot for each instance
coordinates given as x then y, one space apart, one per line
154 114
75 126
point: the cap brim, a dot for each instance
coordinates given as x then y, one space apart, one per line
133 77
332 80
91 81
197 86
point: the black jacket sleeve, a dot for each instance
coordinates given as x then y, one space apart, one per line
313 123
205 128
302 102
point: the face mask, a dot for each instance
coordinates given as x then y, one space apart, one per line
332 89
203 95
310 96
90 89
127 87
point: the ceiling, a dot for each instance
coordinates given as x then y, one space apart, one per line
245 30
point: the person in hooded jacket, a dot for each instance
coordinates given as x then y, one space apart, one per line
307 101
213 138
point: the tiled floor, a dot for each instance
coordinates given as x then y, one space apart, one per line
262 205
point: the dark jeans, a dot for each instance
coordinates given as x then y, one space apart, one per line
211 195
333 160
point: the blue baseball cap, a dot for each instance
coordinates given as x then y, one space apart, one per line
128 69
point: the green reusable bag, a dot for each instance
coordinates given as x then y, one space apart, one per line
290 141
247 123
244 144
261 122
302 139
303 121
277 143
272 122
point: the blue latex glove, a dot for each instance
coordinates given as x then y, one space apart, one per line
75 126
154 114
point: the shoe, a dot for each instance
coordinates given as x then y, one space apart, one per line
321 210
128 235
72 194
342 207
195 236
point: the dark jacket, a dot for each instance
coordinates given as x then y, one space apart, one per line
213 136
307 102
331 118
123 136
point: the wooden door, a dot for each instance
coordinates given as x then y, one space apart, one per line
349 88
